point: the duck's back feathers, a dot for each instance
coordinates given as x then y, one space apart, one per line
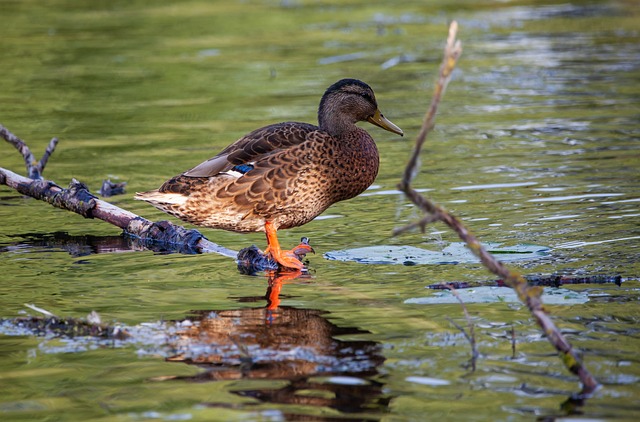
253 147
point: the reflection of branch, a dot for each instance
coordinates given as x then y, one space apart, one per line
527 294
471 336
513 342
78 199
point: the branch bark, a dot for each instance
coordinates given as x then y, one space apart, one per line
530 296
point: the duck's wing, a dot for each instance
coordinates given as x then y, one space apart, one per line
253 147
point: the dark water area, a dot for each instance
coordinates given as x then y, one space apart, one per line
536 147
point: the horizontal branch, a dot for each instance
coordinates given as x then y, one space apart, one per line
78 199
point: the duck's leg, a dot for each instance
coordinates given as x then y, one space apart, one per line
286 258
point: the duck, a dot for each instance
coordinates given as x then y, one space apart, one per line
283 175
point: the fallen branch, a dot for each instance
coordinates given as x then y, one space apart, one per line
530 296
78 199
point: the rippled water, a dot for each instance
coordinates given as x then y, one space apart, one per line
537 142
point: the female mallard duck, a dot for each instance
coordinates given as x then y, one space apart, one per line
283 175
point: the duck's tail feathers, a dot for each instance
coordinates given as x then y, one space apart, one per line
161 199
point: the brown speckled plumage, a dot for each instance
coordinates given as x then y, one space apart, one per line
286 173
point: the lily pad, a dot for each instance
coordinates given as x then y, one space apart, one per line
454 253
487 294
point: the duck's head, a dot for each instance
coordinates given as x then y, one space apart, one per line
349 101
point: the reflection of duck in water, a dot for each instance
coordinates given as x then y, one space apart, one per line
299 346
283 175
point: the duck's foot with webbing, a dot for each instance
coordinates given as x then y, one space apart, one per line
252 260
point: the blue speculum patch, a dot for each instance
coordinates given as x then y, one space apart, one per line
243 168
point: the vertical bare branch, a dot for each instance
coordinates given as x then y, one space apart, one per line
452 52
47 153
530 296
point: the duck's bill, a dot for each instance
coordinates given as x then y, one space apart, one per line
379 120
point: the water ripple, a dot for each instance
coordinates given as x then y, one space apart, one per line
495 186
572 197
579 244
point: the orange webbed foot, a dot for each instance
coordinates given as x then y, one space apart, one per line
286 258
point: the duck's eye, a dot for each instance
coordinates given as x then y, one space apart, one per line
367 96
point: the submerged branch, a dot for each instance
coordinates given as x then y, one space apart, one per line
471 336
537 280
530 296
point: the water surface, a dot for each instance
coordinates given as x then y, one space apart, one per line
537 142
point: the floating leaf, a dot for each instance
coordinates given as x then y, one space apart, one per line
454 253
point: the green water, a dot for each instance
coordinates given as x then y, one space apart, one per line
537 142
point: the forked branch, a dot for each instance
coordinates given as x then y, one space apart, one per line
34 168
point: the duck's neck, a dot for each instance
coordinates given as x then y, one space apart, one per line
333 121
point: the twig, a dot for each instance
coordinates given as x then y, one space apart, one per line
513 342
452 51
42 311
422 224
47 153
471 336
530 296
34 169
